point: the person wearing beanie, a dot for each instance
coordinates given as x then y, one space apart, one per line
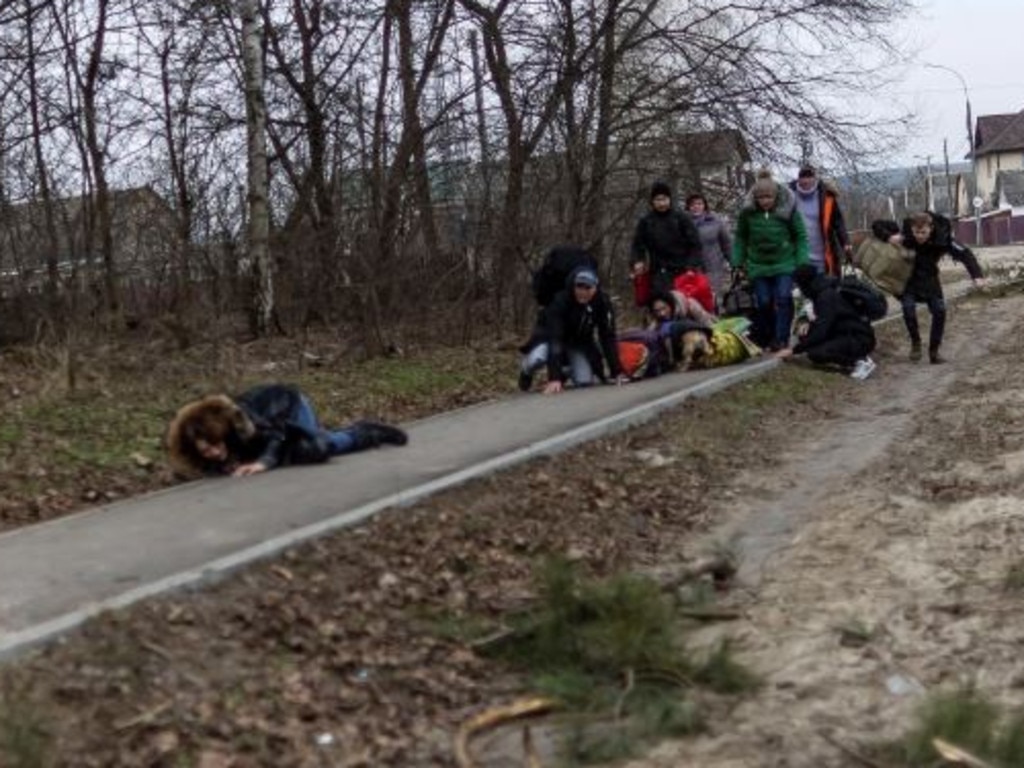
818 203
564 339
838 335
666 242
262 428
770 243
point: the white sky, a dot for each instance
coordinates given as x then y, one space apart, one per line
983 40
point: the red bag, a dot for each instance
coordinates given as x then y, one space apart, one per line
634 357
697 286
641 288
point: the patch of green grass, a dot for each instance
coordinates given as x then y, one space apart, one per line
968 720
746 403
614 648
25 741
410 377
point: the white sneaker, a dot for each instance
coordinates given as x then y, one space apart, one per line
863 369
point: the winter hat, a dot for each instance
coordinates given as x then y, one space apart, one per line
660 188
807 171
765 184
585 277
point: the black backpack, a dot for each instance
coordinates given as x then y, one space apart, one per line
866 300
560 262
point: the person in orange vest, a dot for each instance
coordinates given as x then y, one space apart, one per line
818 203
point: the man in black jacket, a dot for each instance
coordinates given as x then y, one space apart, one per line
929 236
564 339
837 335
262 428
666 241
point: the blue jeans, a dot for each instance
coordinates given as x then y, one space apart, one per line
580 371
339 440
773 297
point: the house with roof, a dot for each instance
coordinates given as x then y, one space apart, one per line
1009 192
998 156
143 228
998 147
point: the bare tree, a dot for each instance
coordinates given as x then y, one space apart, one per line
88 76
51 238
256 121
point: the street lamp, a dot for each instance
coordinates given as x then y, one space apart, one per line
929 196
970 143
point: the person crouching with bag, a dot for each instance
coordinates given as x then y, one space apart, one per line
838 334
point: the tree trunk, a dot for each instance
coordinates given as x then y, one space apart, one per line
607 72
97 158
51 240
256 124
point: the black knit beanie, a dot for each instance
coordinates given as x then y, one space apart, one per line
660 188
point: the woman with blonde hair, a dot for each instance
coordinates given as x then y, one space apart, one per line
770 243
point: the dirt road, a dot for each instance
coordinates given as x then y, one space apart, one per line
892 529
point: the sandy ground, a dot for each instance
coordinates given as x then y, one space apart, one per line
902 518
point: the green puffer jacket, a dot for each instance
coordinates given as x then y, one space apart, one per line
770 243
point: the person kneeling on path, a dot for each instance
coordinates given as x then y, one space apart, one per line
838 334
564 337
260 429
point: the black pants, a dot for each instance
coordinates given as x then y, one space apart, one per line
937 308
843 351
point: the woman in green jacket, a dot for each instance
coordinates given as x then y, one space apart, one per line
770 243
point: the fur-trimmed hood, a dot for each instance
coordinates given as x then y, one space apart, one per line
785 201
214 418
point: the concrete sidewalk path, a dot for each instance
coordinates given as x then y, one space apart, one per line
55 575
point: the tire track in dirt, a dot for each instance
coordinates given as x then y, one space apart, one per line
902 518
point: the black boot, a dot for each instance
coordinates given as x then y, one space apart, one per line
371 434
935 357
915 350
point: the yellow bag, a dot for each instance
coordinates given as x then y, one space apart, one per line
729 344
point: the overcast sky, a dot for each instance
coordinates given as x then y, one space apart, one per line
983 40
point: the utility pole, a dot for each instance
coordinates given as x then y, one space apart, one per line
949 186
970 143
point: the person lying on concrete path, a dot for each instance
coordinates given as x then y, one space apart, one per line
564 338
837 335
262 428
664 306
683 326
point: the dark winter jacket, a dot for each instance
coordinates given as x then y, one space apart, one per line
834 317
566 324
770 243
831 223
924 281
258 425
669 241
